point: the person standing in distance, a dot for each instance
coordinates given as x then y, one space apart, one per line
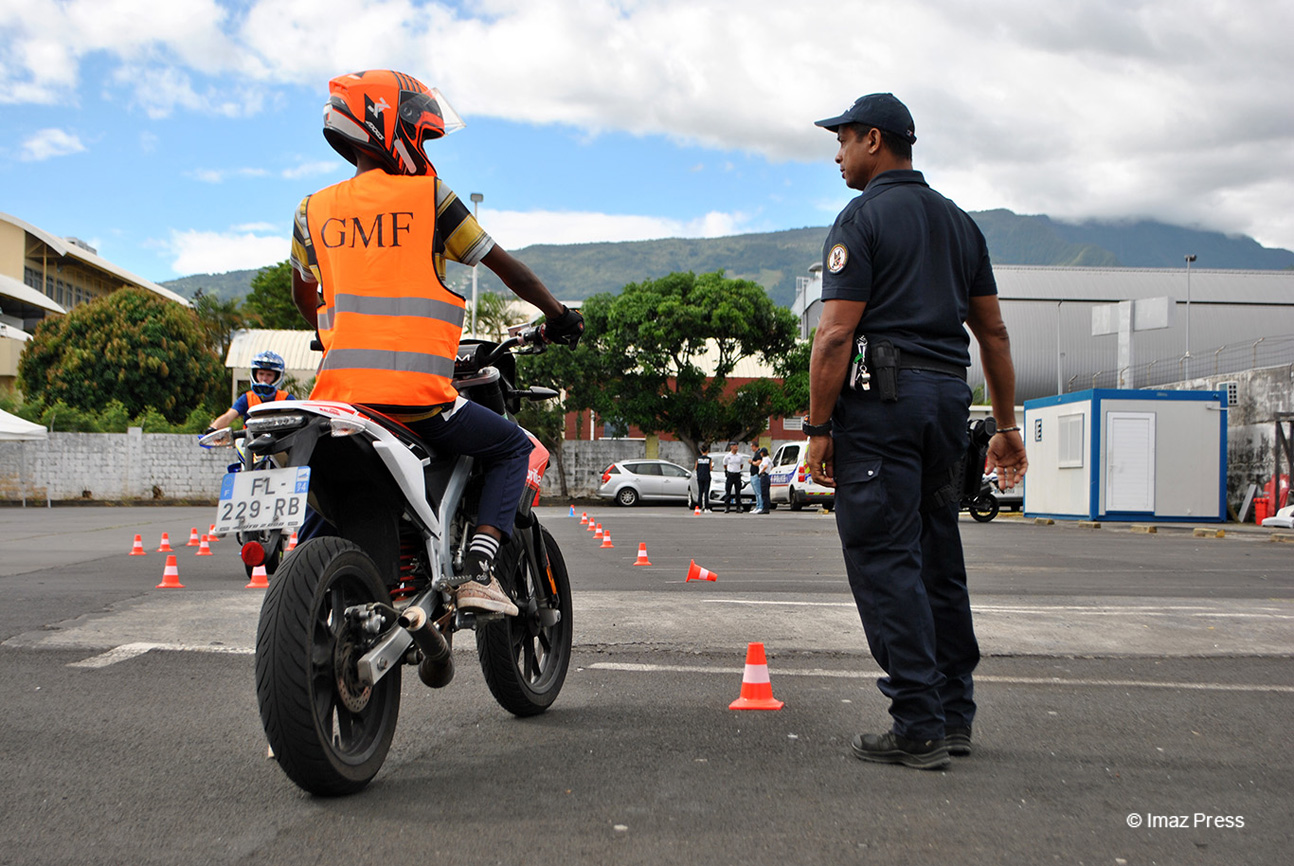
903 269
756 463
732 463
368 258
704 463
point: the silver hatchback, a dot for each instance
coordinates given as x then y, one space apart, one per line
629 482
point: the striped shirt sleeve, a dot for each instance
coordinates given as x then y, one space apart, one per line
458 233
303 253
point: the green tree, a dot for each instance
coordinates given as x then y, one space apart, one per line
494 315
659 356
270 303
131 346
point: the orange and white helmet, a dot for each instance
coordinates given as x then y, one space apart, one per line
389 116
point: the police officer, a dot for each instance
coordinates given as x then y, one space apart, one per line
903 269
704 463
368 272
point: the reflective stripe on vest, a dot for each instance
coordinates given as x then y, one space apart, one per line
389 326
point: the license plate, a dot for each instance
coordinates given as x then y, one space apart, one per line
263 499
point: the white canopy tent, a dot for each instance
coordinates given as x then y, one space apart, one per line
13 428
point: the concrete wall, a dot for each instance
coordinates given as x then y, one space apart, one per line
1251 425
111 467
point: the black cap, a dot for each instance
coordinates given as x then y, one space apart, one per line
881 110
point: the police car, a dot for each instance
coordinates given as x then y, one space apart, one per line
789 479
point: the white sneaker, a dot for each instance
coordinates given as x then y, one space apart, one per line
485 596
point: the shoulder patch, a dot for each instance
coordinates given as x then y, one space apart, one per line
837 258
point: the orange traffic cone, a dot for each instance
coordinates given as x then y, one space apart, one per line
166 544
697 512
696 572
597 532
212 532
137 549
584 518
193 537
204 549
642 554
292 542
170 575
592 524
259 579
606 539
756 689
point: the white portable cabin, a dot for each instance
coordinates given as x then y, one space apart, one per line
1127 455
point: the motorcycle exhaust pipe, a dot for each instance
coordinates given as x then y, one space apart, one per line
437 666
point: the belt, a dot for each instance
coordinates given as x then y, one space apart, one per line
931 366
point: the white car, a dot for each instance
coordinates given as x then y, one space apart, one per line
789 479
630 481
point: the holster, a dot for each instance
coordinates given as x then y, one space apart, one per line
883 362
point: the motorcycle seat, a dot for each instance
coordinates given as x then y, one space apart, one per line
415 443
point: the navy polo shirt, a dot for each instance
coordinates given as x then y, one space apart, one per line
916 259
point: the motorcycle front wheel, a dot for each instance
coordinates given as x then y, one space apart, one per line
328 731
525 660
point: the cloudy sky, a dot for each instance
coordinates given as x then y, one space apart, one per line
178 136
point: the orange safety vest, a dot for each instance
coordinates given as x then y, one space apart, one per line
253 399
389 326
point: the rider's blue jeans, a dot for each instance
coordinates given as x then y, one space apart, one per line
502 449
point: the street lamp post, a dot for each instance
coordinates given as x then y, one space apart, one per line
477 198
1190 257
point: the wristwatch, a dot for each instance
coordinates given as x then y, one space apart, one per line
816 429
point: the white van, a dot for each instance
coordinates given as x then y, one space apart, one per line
789 479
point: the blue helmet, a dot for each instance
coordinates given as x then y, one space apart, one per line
267 361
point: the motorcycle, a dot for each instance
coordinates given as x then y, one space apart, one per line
347 612
977 491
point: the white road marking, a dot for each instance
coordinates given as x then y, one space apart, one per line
1027 681
125 652
1080 610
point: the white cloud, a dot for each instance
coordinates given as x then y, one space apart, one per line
49 143
219 175
517 229
204 252
307 169
1173 109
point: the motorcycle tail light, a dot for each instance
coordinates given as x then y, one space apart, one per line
253 554
345 426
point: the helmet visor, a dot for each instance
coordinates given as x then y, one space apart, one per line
453 122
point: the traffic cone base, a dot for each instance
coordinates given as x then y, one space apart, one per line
756 688
696 572
137 549
259 579
606 539
170 575
642 554
166 544
204 549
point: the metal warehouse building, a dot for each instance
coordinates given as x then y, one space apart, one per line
1237 320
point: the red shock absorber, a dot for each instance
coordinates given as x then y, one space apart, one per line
407 587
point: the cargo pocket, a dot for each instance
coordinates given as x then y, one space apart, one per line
861 498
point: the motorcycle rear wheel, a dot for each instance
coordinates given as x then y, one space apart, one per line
524 661
984 508
329 733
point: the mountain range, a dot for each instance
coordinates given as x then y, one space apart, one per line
776 259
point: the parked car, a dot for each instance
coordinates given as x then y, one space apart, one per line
718 489
629 482
789 480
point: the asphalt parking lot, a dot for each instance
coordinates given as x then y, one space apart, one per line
1128 679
